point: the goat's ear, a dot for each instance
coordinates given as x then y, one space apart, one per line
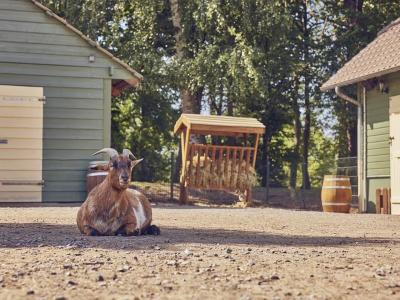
136 162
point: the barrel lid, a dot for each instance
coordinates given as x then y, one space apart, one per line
336 176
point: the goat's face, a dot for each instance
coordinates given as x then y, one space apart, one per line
121 171
120 167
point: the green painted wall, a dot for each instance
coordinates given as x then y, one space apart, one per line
378 149
36 50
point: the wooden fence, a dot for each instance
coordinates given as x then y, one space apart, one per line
383 201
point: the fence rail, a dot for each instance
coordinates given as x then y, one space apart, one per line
348 166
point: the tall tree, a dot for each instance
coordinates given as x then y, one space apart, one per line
191 99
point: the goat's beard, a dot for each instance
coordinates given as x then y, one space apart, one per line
123 185
119 184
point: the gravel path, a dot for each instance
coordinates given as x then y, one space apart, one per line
203 253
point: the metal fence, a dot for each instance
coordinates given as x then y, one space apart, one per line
348 166
168 191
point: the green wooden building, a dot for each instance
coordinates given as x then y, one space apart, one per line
56 87
375 73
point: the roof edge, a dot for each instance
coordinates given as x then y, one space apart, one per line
325 88
387 27
92 43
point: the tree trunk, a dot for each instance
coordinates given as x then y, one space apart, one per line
191 101
307 105
297 140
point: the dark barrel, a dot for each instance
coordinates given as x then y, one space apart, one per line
96 174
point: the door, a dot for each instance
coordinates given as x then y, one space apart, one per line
394 139
21 143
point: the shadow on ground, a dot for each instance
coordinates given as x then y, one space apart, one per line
29 235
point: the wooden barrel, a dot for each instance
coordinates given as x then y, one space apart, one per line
96 174
336 194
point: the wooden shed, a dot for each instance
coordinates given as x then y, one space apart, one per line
56 87
375 75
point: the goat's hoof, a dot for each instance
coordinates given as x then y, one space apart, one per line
94 232
153 230
120 232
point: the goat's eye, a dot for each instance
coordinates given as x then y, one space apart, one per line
115 164
129 164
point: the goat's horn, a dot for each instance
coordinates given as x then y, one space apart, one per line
110 151
128 153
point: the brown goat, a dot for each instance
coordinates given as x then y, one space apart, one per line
111 208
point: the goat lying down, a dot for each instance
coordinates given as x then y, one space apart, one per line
111 208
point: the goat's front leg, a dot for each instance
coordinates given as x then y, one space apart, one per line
130 227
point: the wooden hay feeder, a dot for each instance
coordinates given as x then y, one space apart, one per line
222 167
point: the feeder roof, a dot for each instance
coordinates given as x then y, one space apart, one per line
218 125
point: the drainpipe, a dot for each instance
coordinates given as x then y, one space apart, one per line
364 126
361 163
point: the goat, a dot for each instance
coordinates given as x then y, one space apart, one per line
111 208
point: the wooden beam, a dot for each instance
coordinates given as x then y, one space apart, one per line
185 136
255 150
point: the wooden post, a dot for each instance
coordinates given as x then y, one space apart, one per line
183 197
197 176
213 166
249 199
267 179
385 200
378 201
206 172
234 174
172 176
255 150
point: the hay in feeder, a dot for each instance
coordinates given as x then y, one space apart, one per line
221 174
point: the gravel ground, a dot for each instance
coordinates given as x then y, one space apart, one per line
202 253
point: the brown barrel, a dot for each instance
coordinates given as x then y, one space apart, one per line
336 194
96 174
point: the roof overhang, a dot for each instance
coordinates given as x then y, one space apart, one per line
326 87
118 85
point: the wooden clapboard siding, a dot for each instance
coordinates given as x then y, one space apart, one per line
53 123
73 113
66 164
16 5
63 196
71 144
64 175
37 50
51 81
62 154
378 150
54 70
